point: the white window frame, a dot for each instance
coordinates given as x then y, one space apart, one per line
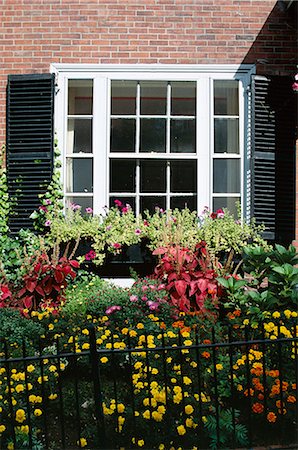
204 75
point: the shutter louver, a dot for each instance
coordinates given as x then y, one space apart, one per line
263 157
273 156
29 143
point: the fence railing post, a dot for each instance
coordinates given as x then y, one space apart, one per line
98 398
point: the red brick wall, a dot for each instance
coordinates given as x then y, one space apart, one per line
36 33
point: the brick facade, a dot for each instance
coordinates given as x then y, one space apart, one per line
36 33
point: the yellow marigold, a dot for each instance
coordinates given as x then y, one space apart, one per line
51 326
85 331
187 380
219 366
10 446
82 442
189 422
2 428
188 409
181 430
37 412
19 388
20 415
276 315
157 416
140 442
30 368
120 408
140 326
287 313
53 396
52 368
146 414
104 360
86 346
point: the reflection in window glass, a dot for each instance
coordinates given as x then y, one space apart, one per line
151 203
226 136
183 176
226 175
131 201
153 176
79 175
79 136
122 175
183 98
123 133
153 135
183 136
184 202
83 202
226 202
123 97
226 97
80 97
153 97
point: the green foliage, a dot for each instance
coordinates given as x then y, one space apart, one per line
15 328
270 282
4 199
225 420
51 200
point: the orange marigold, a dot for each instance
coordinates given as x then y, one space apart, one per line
273 373
271 417
206 355
291 399
257 408
251 392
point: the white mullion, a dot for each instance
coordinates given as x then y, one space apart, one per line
168 184
138 125
204 142
100 135
138 180
168 119
241 145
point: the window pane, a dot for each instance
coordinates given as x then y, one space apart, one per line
122 175
153 97
226 97
151 203
83 202
183 176
153 176
80 97
184 202
226 136
183 101
226 175
124 200
123 133
123 97
153 135
226 202
79 136
183 136
79 175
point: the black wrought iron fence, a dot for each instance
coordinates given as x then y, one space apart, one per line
169 391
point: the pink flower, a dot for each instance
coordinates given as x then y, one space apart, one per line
89 210
116 245
145 288
153 306
146 223
295 86
48 201
74 206
112 309
43 208
144 298
118 203
133 298
109 227
138 231
125 210
47 223
90 255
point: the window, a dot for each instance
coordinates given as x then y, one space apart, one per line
167 137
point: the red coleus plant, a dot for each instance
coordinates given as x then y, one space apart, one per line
188 276
44 284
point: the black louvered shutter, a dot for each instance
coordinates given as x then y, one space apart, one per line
273 156
29 143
